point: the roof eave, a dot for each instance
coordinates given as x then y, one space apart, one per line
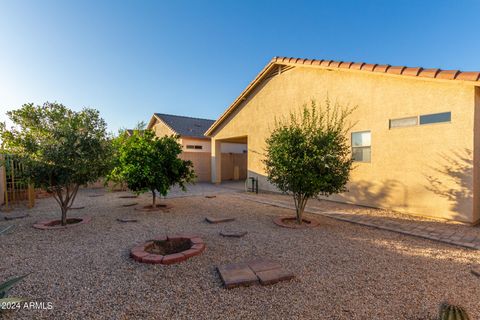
472 78
240 98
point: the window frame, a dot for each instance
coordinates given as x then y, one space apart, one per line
361 147
193 147
432 114
403 118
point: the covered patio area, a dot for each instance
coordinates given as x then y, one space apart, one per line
227 163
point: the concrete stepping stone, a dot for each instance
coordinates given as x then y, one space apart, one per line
218 220
14 217
128 197
268 277
259 265
129 204
96 195
210 197
77 208
233 234
127 220
236 275
261 271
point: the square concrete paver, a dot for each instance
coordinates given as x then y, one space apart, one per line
218 220
15 216
259 265
127 220
244 274
233 234
237 274
274 275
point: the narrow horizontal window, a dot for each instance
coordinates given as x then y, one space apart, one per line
361 146
435 118
191 146
403 122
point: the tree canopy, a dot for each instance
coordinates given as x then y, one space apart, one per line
149 163
60 149
308 154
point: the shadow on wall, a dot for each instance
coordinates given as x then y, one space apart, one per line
362 192
453 180
372 194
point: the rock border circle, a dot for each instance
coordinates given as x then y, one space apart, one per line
139 253
52 224
308 223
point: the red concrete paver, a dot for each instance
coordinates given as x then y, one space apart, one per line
274 275
237 274
259 265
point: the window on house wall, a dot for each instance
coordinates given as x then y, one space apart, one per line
403 122
191 146
435 118
361 146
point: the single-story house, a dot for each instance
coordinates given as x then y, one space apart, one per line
415 142
196 146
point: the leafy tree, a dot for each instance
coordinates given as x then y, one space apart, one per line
148 163
308 154
60 149
115 175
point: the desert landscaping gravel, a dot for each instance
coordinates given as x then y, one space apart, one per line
343 270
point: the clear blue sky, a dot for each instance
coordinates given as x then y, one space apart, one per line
130 59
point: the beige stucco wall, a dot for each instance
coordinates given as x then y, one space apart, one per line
161 129
196 142
201 164
476 154
234 147
201 157
425 170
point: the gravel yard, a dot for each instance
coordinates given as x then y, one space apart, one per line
343 270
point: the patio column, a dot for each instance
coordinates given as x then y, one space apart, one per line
216 161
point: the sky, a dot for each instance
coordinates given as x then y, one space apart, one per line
130 59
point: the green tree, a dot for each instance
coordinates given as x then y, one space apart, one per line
148 163
115 175
60 149
308 154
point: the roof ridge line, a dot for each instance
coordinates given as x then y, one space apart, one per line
175 115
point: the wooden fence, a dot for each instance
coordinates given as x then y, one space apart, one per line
15 189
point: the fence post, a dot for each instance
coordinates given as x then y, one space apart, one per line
4 193
31 196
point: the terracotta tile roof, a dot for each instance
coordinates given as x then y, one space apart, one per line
403 70
456 75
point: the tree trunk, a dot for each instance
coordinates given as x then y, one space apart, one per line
154 199
297 199
65 198
300 203
64 216
299 213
